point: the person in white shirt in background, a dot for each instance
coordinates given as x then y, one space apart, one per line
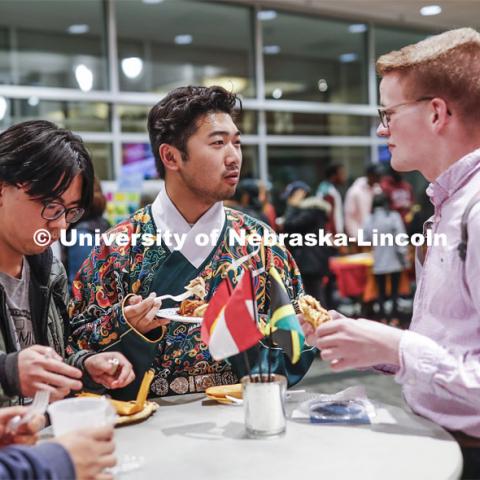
358 199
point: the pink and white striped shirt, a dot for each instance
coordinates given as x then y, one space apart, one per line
440 354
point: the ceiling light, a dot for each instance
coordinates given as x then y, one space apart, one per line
322 85
357 28
183 39
348 57
271 49
3 107
78 29
132 67
84 78
430 10
152 2
33 101
277 93
266 15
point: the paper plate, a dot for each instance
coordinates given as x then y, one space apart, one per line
219 392
148 409
171 314
223 401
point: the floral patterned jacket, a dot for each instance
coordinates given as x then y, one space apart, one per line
181 360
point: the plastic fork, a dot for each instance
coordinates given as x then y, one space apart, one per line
176 298
38 407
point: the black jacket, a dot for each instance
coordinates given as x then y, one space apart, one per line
48 299
309 217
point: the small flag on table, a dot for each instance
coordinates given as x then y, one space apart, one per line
230 322
284 325
215 307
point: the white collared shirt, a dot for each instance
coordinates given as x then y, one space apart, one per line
169 220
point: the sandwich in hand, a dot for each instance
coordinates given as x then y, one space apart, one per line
312 311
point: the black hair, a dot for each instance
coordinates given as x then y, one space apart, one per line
173 120
397 176
373 169
45 158
333 170
380 200
248 186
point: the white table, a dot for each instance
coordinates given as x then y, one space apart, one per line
192 437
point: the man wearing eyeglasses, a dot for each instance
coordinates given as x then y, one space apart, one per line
46 178
430 94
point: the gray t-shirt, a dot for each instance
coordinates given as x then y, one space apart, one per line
18 306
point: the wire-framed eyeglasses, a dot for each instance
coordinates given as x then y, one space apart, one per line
386 112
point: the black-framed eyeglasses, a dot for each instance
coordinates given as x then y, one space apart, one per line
385 113
54 210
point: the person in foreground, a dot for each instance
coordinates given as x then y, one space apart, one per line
83 454
198 152
46 178
431 119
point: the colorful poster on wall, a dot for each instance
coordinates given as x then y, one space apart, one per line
120 205
137 158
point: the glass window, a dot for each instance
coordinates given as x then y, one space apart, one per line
250 161
138 161
53 43
102 158
286 164
164 45
295 123
389 39
76 116
5 113
246 121
134 119
314 59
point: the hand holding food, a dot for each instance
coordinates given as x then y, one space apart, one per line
26 433
313 312
313 315
41 368
141 313
110 369
358 343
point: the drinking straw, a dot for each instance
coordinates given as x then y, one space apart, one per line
247 364
270 348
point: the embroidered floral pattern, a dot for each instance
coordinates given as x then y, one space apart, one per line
182 363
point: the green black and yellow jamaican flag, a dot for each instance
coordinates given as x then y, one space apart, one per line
285 327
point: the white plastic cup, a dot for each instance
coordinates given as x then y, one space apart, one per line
77 413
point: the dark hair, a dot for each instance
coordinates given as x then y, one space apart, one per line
380 200
397 176
173 120
373 169
292 187
332 170
248 186
99 202
46 159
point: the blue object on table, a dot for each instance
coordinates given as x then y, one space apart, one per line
339 412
